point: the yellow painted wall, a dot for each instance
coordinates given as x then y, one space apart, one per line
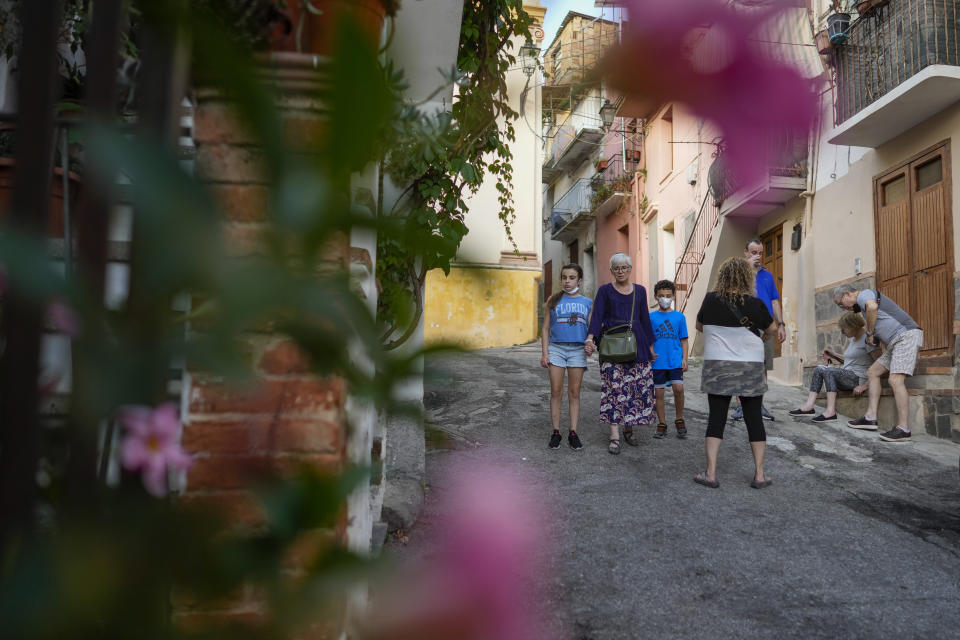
477 308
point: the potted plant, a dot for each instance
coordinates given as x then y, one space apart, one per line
822 40
838 24
602 164
310 26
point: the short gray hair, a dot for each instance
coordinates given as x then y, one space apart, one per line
620 258
843 289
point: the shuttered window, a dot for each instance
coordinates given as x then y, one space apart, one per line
914 245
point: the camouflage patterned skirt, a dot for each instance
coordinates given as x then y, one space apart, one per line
730 378
626 393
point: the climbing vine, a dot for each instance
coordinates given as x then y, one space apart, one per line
444 158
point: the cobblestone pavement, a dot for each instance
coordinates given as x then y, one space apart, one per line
855 539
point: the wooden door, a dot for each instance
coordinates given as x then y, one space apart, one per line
773 262
915 245
575 252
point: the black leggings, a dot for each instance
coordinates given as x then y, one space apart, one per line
751 416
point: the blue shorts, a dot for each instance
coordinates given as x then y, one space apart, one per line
663 377
567 354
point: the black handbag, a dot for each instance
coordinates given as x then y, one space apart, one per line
619 344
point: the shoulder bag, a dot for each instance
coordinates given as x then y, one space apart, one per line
743 319
618 343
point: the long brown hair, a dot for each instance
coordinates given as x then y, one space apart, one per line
735 280
555 298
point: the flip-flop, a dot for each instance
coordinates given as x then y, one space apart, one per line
760 485
701 478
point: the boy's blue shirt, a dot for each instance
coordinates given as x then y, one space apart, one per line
669 328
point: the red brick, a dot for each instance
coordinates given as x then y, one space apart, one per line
238 509
284 356
322 398
240 471
228 163
305 134
216 437
242 202
259 435
244 239
217 122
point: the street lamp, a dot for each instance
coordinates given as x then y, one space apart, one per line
607 113
529 54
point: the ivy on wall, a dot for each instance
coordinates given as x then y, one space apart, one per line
444 158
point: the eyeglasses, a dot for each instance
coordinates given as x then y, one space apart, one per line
620 269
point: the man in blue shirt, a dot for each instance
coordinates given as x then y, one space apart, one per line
766 291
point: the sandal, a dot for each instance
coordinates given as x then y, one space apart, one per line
661 430
614 447
761 484
681 428
701 478
630 438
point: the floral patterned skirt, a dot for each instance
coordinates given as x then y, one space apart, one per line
626 393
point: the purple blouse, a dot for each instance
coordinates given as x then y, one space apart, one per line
611 308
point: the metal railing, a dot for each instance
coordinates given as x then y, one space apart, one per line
695 250
891 44
786 156
576 201
611 178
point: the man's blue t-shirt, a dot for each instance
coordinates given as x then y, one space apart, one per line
568 320
669 328
767 289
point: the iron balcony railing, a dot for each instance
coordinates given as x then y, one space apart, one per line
786 157
576 201
611 178
891 44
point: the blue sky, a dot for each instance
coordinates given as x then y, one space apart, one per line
556 9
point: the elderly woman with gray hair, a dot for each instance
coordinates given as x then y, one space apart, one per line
626 390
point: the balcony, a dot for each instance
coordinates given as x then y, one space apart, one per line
571 146
611 187
786 178
898 68
573 212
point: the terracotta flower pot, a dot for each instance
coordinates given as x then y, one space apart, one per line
313 23
823 42
55 213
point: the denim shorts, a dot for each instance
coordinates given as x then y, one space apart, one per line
567 354
662 377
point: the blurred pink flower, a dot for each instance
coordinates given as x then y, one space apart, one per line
705 54
63 318
151 445
481 583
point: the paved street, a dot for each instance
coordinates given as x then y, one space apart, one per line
855 539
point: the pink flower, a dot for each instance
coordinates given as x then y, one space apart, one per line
63 318
482 583
706 54
151 445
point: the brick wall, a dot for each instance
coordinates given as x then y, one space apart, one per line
287 418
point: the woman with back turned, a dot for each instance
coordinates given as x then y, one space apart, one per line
733 321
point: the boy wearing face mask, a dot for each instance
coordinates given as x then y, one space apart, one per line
670 331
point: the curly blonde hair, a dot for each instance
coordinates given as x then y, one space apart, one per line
735 280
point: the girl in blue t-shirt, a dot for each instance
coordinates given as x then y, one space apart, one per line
670 331
565 319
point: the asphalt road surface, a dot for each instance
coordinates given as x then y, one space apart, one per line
855 539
